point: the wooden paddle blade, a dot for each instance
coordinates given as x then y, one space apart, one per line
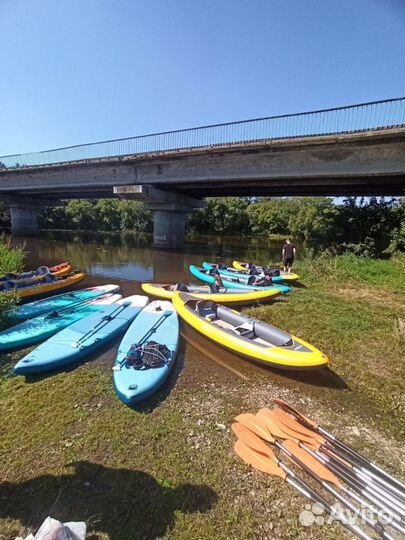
294 435
274 427
288 408
257 460
256 425
312 463
293 424
252 440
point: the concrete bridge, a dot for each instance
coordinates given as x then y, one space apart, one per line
356 150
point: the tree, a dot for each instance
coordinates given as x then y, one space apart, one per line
222 215
272 216
135 217
108 214
314 220
82 215
397 237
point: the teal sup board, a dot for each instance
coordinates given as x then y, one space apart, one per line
84 337
42 327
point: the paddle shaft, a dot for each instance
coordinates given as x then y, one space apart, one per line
311 494
78 303
105 320
359 457
379 493
358 486
377 527
375 484
151 331
347 479
387 486
351 454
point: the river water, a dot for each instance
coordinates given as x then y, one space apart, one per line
128 260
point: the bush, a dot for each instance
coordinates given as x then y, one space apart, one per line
11 260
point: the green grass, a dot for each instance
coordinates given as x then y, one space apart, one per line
388 274
11 260
71 449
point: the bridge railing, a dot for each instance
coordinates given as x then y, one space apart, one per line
355 118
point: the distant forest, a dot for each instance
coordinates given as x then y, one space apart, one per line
373 227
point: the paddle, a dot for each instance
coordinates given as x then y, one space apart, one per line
361 487
146 336
340 444
310 465
269 464
380 498
288 423
104 321
56 312
286 432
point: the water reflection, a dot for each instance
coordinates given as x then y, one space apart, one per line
131 257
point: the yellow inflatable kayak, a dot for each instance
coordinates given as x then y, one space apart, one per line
244 267
38 274
46 285
230 297
248 337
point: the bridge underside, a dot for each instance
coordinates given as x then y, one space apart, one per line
378 185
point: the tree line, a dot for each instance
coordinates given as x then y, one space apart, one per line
371 226
363 226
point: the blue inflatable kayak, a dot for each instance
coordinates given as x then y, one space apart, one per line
60 301
82 338
40 271
234 283
147 353
232 272
45 326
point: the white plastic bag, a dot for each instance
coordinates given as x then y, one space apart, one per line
72 530
52 529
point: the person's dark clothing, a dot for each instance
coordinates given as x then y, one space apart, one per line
289 253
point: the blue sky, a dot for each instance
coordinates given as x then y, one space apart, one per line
77 71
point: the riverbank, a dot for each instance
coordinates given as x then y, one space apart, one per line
70 449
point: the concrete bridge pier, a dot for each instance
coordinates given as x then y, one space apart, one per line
169 212
24 213
168 228
24 220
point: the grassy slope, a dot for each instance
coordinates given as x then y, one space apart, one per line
69 448
353 315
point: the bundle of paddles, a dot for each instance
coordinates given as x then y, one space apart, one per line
359 485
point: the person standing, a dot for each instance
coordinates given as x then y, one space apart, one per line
288 255
216 286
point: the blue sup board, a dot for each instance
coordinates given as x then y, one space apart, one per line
45 326
76 342
60 301
153 339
